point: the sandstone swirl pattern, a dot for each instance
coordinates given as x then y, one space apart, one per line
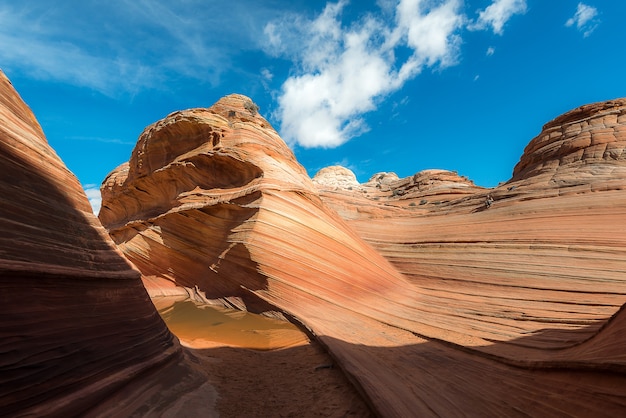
432 303
75 322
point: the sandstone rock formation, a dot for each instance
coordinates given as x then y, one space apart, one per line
552 242
336 177
385 192
432 303
76 325
578 151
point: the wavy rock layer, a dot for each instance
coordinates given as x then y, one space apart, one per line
584 147
76 322
430 302
231 205
549 253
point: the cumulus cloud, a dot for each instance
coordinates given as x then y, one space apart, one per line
431 33
584 19
490 51
343 71
497 14
93 194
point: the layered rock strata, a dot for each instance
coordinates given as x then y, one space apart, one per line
549 252
76 323
225 197
432 302
578 151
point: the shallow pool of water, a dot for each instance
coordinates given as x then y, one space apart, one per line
201 326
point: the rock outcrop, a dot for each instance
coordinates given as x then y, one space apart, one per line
551 244
76 324
389 194
336 176
584 148
430 301
218 215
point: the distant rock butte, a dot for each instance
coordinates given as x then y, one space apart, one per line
582 149
76 324
386 192
432 303
336 176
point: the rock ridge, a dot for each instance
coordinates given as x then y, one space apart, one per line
76 323
579 147
399 276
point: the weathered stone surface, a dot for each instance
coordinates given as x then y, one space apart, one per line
582 149
336 176
383 179
551 244
386 193
75 322
433 303
539 274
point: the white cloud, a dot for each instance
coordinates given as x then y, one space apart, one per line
65 62
490 51
497 14
345 162
344 71
584 19
267 74
266 78
403 102
431 34
93 194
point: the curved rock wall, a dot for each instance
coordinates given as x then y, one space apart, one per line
224 215
432 302
585 146
76 322
550 252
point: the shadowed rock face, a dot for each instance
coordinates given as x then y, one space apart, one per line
433 303
76 323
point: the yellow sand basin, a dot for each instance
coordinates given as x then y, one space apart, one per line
203 326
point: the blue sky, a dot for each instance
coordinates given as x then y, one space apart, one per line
387 85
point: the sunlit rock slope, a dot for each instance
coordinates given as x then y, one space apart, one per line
76 324
549 250
430 301
214 199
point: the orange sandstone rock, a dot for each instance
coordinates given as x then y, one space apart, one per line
75 322
550 250
584 148
430 301
230 215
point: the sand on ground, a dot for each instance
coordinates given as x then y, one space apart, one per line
242 365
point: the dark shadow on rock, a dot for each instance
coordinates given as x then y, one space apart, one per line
423 379
435 379
198 248
75 320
